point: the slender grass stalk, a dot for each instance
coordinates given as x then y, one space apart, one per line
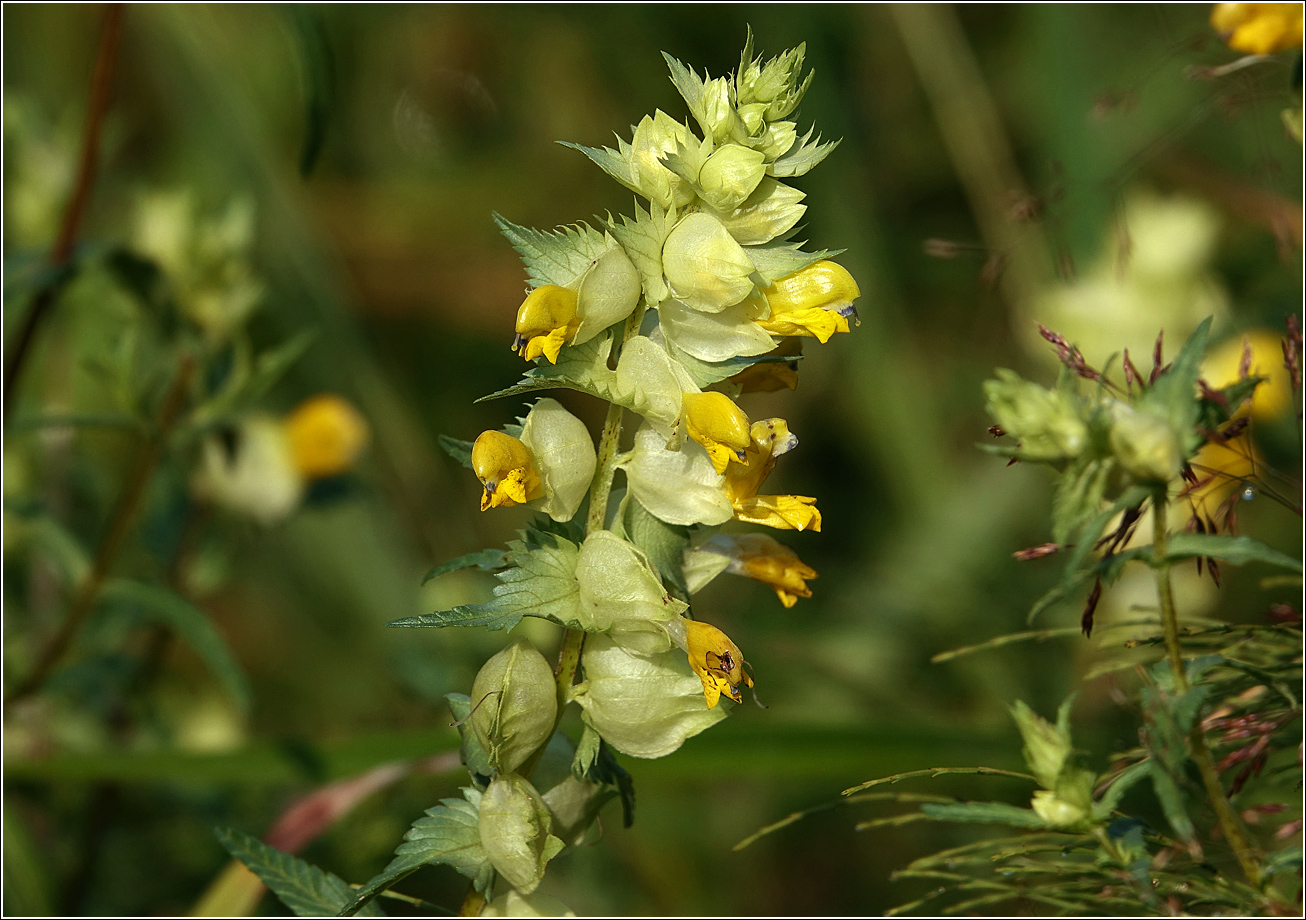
1201 753
124 514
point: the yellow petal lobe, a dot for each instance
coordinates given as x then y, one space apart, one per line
326 435
717 661
783 512
713 420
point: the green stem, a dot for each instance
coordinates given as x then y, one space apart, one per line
1201 753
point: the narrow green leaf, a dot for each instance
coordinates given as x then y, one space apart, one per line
488 560
470 752
688 83
1128 777
1237 550
449 833
985 813
301 886
317 69
1174 394
608 160
1172 801
192 625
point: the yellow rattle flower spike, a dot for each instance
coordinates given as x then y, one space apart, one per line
713 420
506 469
545 322
326 435
717 661
814 301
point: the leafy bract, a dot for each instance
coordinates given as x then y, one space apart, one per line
301 886
802 156
580 367
777 259
459 450
642 238
1235 550
555 256
1173 395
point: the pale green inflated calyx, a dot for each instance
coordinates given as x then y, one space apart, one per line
515 827
563 455
730 175
515 704
1147 445
608 293
620 592
704 266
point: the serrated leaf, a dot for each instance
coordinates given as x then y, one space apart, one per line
1237 550
706 373
664 544
642 238
612 162
555 257
1172 801
776 259
192 625
450 834
459 450
688 83
487 560
541 582
473 756
803 156
985 813
587 753
1128 778
301 886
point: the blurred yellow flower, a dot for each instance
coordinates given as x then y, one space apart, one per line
326 435
1220 469
1258 28
1273 397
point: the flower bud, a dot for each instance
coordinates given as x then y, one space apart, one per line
770 211
716 111
716 660
326 436
655 137
713 420
512 904
1057 811
1258 28
562 452
514 826
1046 422
815 301
515 704
704 266
644 706
1146 445
251 471
730 175
608 293
545 321
504 466
776 83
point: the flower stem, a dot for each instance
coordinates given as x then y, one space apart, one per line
1201 753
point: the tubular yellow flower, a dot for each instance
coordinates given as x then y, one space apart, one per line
326 435
505 467
770 438
716 660
1258 28
1222 367
713 420
545 321
815 301
769 561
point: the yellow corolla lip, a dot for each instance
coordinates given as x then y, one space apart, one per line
713 420
778 566
506 469
814 301
769 439
546 320
717 661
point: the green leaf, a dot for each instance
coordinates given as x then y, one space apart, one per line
1213 414
58 545
472 754
706 373
1128 778
555 257
449 833
610 161
1234 550
1078 495
1288 859
642 238
1173 395
317 69
301 886
487 559
776 259
664 544
1172 801
802 157
540 583
587 752
606 770
247 388
192 625
985 813
459 450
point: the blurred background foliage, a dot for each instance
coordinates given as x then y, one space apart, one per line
1155 193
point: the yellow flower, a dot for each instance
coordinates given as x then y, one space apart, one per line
716 660
713 420
546 320
1222 367
1258 28
814 301
769 439
769 376
326 436
769 561
505 467
1220 468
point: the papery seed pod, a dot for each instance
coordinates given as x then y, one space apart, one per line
704 266
608 293
515 705
1146 444
563 454
574 804
621 593
730 175
644 706
515 827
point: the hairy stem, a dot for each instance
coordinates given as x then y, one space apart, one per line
101 80
1201 753
124 514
